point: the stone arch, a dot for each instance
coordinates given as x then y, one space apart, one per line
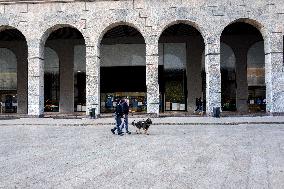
8 27
162 28
5 27
115 24
256 24
55 27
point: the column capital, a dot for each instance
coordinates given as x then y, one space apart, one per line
152 39
35 48
212 45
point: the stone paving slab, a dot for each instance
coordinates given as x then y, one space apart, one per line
181 156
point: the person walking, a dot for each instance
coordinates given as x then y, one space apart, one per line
125 107
200 105
118 114
196 104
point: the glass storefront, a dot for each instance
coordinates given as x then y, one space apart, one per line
228 88
172 76
257 100
228 78
80 91
175 95
79 78
137 101
123 81
123 74
8 81
52 79
256 78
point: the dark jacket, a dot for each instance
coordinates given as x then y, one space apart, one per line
119 109
125 108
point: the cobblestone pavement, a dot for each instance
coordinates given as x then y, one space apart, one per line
180 156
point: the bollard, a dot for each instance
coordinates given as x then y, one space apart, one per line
92 113
216 112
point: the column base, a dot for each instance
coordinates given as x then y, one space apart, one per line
153 108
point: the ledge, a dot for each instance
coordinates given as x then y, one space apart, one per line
8 2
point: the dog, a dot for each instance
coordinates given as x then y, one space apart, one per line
142 125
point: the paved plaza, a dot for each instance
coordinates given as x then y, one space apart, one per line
172 156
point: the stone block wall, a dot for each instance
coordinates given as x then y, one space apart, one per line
37 19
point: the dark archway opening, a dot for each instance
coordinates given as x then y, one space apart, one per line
123 69
13 72
65 71
181 74
246 80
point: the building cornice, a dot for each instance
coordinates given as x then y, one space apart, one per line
7 2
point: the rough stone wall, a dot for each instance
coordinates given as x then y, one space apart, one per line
93 18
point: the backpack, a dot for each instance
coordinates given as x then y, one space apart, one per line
119 109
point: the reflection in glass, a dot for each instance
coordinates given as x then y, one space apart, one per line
8 81
123 74
228 78
137 101
79 78
173 86
51 84
256 78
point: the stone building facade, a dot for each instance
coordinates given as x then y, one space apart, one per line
37 20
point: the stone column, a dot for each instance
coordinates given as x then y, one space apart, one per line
152 83
213 73
92 78
194 48
241 79
35 78
22 78
65 51
274 68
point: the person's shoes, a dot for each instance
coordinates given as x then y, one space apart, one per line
112 130
120 134
128 132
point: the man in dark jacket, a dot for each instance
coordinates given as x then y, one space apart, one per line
118 115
